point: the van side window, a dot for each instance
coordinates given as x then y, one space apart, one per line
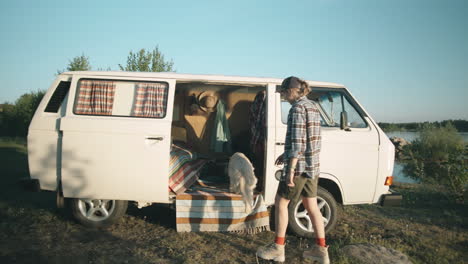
121 98
150 100
57 97
333 103
95 97
286 106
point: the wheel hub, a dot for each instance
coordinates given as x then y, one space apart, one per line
302 216
96 209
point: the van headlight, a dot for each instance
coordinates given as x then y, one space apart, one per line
278 174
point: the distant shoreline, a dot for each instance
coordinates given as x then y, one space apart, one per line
460 125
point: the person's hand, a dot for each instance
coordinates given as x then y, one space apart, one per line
280 160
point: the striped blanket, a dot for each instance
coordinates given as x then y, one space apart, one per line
201 211
183 169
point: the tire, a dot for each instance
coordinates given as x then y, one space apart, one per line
299 221
97 213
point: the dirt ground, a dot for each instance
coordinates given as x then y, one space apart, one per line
427 227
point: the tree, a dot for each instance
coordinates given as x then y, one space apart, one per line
146 61
6 117
16 118
79 63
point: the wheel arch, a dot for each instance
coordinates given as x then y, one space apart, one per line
331 184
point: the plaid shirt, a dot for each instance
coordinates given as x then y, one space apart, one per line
303 139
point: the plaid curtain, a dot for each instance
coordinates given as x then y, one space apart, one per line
95 97
150 100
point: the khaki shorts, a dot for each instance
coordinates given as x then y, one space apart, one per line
303 186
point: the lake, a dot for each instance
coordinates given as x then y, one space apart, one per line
410 136
398 174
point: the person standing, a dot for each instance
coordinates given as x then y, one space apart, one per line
301 172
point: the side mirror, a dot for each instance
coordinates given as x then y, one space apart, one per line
344 121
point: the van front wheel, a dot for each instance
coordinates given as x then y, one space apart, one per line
97 213
299 220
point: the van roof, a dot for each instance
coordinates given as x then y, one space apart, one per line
197 77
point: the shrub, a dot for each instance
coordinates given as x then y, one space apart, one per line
438 157
15 119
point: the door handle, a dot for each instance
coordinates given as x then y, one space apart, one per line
279 143
155 138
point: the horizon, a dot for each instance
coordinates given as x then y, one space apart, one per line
404 61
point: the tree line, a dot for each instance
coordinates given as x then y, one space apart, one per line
15 117
460 125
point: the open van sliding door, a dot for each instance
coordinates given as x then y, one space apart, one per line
116 138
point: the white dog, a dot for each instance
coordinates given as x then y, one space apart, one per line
242 178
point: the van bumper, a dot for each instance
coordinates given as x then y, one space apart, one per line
391 199
30 185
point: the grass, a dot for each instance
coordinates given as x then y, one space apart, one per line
427 227
12 141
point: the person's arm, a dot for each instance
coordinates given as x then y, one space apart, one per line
292 169
298 131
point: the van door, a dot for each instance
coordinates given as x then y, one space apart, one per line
116 138
348 156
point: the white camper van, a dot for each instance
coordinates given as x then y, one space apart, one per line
101 139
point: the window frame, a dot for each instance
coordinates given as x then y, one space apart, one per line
350 100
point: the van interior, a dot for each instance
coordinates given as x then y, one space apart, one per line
212 121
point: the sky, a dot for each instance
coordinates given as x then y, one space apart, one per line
403 60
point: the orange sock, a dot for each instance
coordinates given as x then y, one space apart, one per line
280 240
320 242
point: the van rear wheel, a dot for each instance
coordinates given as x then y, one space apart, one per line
97 213
299 221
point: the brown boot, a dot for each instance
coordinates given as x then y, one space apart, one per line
272 251
317 253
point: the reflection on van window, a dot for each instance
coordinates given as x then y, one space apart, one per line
121 98
333 104
286 106
330 104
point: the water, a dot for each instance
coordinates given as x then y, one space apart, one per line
398 174
410 136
